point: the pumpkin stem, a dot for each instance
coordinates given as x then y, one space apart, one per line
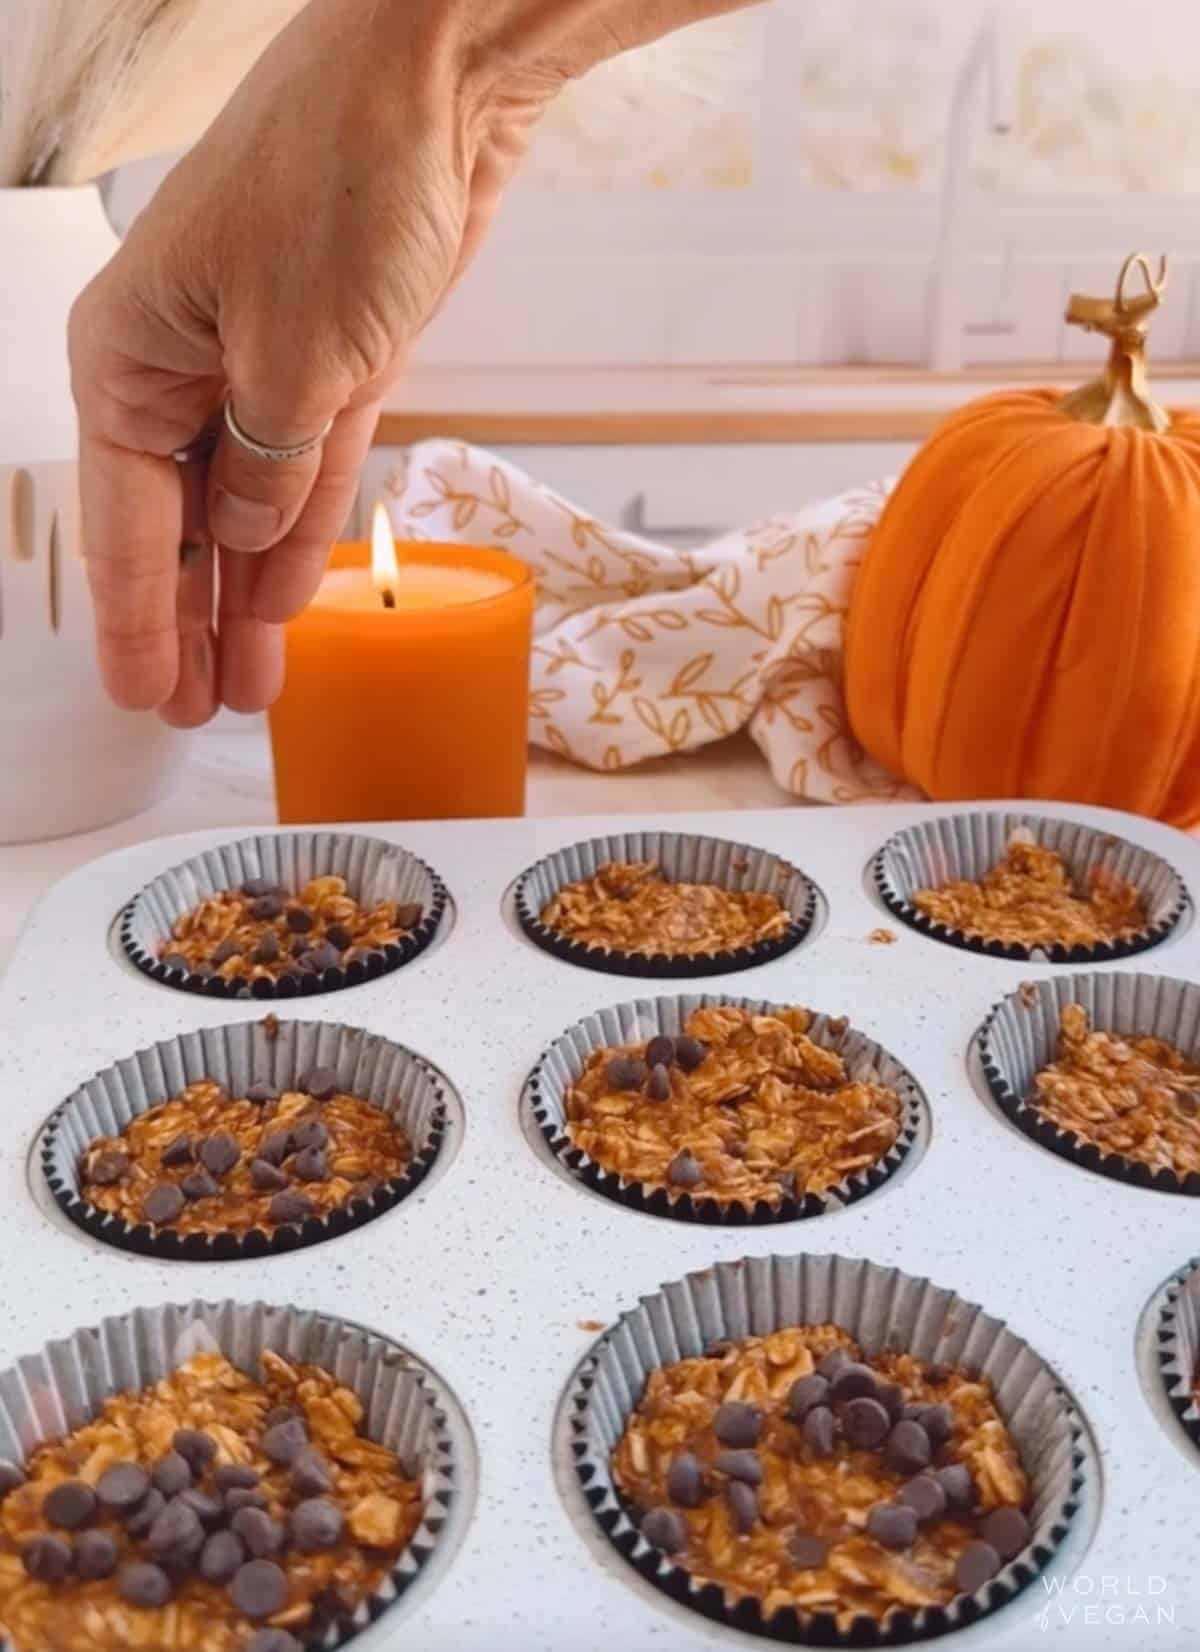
1122 395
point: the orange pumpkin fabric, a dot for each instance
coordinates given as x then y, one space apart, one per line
1026 620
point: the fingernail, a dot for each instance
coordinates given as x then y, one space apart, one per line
244 524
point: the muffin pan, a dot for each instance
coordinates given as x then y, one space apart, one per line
502 1273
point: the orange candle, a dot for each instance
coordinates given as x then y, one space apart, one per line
407 688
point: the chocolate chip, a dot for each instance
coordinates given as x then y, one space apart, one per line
96 1555
275 1147
177 1152
658 1085
740 1465
339 936
220 1153
266 1178
266 906
832 1363
818 1430
284 1442
10 1477
228 949
666 1530
625 1073
316 1525
808 1552
299 920
209 1510
925 1496
195 1447
143 1517
660 1051
321 1083
957 1482
312 1133
108 1168
48 1559
1007 1530
689 1053
262 1536
282 1414
977 1565
409 915
259 1589
866 1423
220 1557
738 1424
172 1474
908 1448
256 888
70 1505
311 1165
320 958
143 1584
311 1474
743 1505
289 1207
853 1381
806 1392
685 1480
891 1396
176 1531
273 1640
227 1476
267 950
938 1423
244 1497
162 1204
198 1185
893 1524
261 1092
684 1170
122 1486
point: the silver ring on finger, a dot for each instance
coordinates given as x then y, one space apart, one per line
276 455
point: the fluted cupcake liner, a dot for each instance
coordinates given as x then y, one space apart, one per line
684 858
278 1052
1179 1346
562 1065
50 1394
374 870
936 852
883 1310
1020 1037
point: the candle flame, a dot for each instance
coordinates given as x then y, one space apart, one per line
384 566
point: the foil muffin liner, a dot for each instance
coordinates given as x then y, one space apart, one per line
49 1394
1179 1346
373 869
279 1052
884 1310
1020 1037
563 1063
684 859
934 853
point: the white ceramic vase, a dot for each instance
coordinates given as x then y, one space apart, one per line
69 759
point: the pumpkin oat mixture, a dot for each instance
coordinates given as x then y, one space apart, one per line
1135 1096
631 906
794 1469
210 1513
260 932
742 1107
207 1162
1029 899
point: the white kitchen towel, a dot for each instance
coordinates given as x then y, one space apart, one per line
640 650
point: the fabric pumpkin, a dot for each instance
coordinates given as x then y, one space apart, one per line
1026 621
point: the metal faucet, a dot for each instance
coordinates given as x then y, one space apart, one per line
990 58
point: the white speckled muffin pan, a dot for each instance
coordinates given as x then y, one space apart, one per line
501 1269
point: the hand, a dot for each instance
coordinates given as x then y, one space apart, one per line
287 263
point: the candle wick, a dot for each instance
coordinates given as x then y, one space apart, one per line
389 598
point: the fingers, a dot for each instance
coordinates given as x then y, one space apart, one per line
253 502
195 698
132 512
249 652
289 574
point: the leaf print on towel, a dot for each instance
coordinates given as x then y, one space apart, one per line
605 696
671 730
465 504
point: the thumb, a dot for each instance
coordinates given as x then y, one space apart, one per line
254 499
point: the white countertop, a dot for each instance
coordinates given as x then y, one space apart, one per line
227 783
